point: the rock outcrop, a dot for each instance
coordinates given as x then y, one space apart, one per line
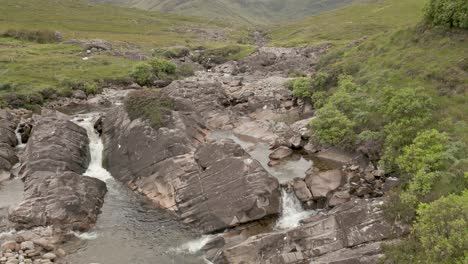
55 192
347 233
213 185
8 142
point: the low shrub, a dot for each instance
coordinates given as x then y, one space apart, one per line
149 105
142 73
302 87
39 36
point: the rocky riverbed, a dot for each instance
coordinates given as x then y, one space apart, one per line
235 162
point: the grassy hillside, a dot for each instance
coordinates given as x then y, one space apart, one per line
27 67
238 11
79 19
352 22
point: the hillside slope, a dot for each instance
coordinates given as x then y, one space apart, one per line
364 18
240 11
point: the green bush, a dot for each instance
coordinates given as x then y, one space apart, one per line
333 127
175 52
302 87
320 80
143 73
149 105
91 88
15 100
449 13
39 36
160 65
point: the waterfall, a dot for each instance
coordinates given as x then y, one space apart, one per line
291 212
96 147
20 145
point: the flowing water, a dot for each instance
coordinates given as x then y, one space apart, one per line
287 170
130 229
291 211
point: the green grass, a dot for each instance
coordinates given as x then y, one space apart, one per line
31 67
349 23
79 19
435 60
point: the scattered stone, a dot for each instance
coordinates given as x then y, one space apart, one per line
281 153
8 245
27 245
50 256
322 183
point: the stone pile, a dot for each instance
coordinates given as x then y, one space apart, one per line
26 252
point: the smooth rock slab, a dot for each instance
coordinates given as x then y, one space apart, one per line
55 192
212 185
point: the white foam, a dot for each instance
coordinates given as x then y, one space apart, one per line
96 147
20 145
196 245
86 235
292 212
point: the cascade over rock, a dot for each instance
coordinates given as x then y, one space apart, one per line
55 192
350 233
213 185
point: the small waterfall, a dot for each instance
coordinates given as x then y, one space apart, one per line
196 245
292 212
20 145
96 147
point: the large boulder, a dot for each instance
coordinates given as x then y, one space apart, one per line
212 185
55 192
348 232
8 141
322 183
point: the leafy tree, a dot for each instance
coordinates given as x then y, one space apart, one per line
442 229
302 87
449 13
333 127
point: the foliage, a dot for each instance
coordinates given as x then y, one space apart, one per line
449 13
320 80
440 234
302 87
142 73
333 127
149 105
162 66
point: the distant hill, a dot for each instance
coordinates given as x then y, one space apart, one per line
241 11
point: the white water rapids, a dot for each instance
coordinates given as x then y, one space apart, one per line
291 212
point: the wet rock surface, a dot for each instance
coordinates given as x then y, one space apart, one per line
55 192
8 142
347 233
211 185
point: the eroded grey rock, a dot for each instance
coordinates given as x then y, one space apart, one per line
55 192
